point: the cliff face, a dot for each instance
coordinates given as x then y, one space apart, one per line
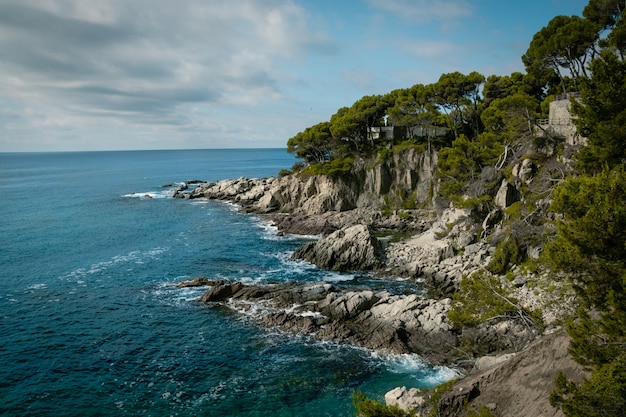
371 184
405 173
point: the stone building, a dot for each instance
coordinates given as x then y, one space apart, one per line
560 120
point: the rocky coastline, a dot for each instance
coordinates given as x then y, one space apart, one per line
432 248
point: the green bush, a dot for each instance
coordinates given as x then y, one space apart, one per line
366 407
483 412
334 168
507 253
435 396
482 297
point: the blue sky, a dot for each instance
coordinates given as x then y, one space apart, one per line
180 74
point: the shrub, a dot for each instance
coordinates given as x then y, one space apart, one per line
482 297
334 168
367 407
507 253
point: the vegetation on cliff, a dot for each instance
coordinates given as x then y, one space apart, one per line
485 130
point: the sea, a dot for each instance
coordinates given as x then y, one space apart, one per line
92 322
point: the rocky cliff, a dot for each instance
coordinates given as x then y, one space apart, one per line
371 184
358 216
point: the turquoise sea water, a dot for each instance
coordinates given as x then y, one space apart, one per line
91 321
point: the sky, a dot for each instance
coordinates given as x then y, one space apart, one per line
80 75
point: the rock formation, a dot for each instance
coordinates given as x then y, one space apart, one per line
441 244
376 320
348 249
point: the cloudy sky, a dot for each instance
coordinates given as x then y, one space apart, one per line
180 74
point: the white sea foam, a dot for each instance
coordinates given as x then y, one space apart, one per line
136 257
442 374
37 286
414 364
337 277
149 194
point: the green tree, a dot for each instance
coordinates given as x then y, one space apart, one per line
459 96
511 116
591 245
564 46
609 15
600 115
502 86
482 298
463 160
369 112
591 242
345 128
354 124
415 109
315 144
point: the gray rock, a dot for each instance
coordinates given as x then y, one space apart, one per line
507 195
200 282
486 362
407 400
349 305
221 292
352 248
525 170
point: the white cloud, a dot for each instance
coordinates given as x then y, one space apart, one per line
145 62
421 11
432 49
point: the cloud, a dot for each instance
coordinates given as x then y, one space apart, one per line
146 61
424 11
431 49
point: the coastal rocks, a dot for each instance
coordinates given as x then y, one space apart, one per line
348 305
441 255
486 362
244 191
352 248
221 292
199 282
407 172
375 320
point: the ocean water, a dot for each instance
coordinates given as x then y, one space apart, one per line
91 320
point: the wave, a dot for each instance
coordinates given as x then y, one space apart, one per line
413 364
150 194
136 257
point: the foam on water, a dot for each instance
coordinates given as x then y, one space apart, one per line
150 194
338 277
134 257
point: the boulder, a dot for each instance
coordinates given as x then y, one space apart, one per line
404 399
507 195
351 248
